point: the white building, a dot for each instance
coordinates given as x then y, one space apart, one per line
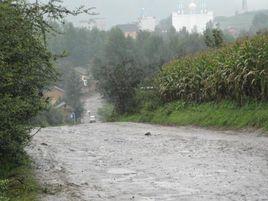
147 24
94 23
194 18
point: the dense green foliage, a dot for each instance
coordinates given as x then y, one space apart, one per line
49 117
73 93
25 69
151 50
106 112
20 183
213 37
237 72
3 190
223 88
117 71
126 63
120 64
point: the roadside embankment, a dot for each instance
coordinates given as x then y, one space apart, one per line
224 115
18 182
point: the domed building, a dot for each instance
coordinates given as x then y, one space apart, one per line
192 6
194 17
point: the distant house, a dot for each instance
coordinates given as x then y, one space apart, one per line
129 30
82 72
147 23
55 94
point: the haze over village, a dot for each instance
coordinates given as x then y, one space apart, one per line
193 15
122 12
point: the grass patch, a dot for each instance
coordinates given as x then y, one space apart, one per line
220 115
17 182
106 113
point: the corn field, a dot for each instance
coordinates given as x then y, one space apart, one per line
237 72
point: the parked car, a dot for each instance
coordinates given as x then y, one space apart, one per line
92 119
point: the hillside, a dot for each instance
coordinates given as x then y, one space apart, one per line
241 21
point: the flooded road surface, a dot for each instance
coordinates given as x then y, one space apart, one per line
118 162
91 105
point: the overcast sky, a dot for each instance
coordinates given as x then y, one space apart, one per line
124 11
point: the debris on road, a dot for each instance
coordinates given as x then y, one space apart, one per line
148 134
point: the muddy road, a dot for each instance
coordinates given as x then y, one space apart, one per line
118 162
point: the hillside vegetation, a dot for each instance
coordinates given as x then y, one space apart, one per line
227 87
242 21
237 72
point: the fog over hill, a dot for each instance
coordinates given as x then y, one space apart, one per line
123 11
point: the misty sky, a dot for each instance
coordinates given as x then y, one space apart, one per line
124 11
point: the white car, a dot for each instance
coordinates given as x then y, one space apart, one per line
92 119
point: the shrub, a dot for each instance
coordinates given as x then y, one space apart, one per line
106 113
237 72
148 100
25 70
3 190
49 117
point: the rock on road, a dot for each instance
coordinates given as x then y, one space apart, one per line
116 161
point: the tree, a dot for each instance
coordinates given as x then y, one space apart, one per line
117 72
26 70
213 37
73 89
80 44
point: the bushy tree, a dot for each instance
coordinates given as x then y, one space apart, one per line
73 93
49 117
117 72
213 37
26 69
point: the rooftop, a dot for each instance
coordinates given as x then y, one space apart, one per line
128 27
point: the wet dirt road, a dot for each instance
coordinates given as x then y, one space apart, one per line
117 162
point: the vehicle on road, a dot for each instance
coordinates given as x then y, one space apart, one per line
92 119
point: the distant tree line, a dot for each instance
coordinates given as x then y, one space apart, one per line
121 65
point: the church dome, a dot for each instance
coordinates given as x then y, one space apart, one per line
192 6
